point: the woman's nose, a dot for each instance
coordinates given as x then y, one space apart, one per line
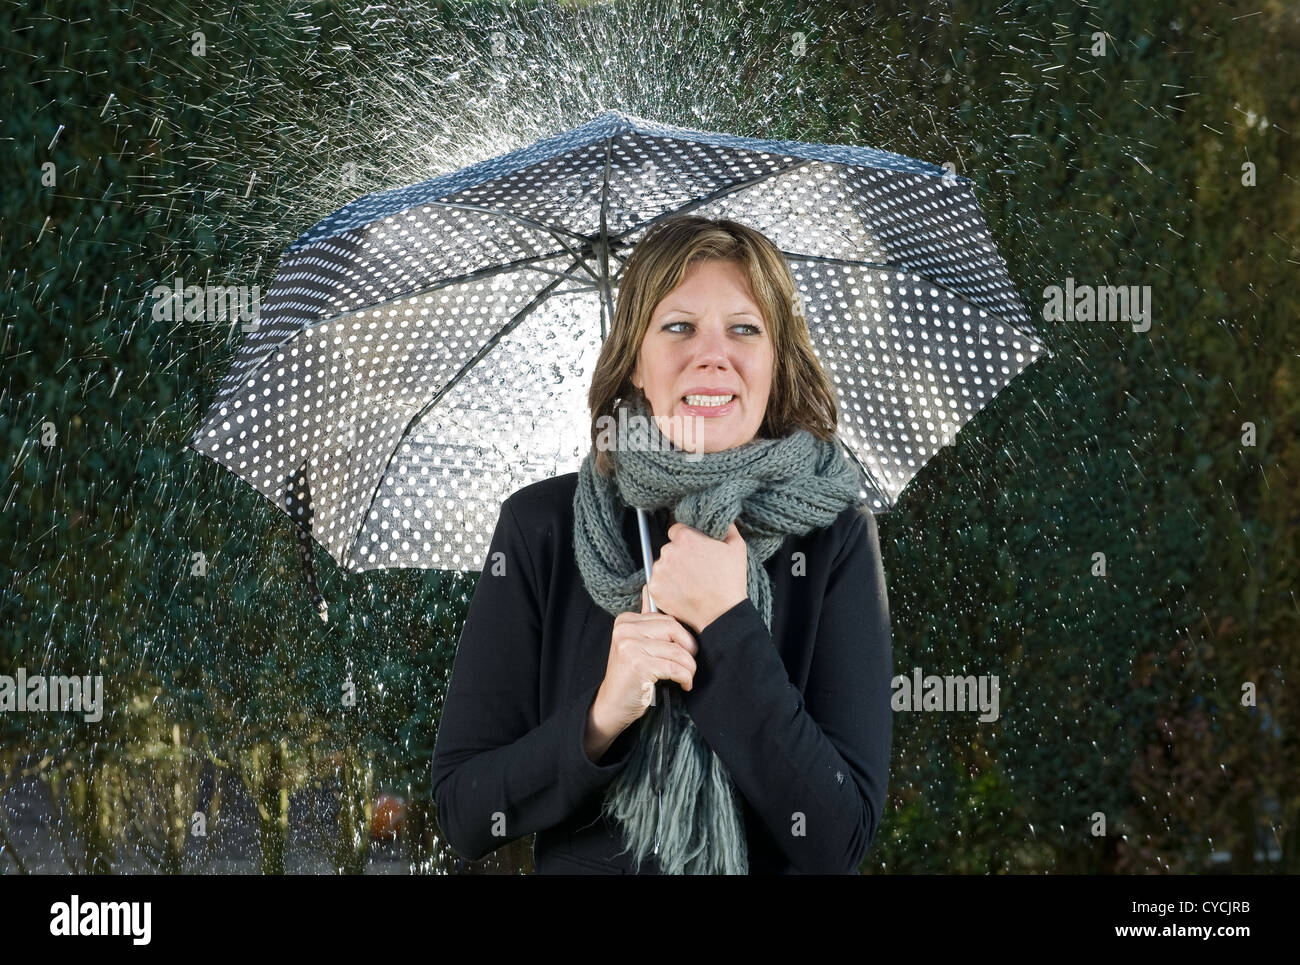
712 349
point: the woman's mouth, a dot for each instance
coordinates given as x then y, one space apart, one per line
709 406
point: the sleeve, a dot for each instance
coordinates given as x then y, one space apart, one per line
814 766
498 772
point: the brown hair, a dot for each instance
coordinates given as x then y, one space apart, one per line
801 396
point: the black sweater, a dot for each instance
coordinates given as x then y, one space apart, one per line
803 724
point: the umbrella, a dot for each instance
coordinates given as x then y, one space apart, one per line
425 351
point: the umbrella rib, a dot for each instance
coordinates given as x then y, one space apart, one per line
868 474
530 222
554 232
475 275
527 263
438 397
607 305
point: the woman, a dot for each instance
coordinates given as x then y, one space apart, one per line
709 410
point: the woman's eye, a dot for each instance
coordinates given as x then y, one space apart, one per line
755 328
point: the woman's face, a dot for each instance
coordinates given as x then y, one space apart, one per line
707 337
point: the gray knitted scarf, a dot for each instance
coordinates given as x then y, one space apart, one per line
770 488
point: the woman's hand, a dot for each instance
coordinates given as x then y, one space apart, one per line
696 578
644 648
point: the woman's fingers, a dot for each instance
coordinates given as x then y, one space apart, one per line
663 627
667 662
654 626
668 651
644 649
647 656
671 670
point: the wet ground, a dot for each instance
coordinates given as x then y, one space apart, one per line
29 823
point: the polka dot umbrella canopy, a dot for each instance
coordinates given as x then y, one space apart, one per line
425 351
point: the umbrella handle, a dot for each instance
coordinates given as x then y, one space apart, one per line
660 691
645 559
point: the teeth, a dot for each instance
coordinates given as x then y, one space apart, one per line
708 400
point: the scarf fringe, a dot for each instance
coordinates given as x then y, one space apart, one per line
696 786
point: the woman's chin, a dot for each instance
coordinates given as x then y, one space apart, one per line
697 434
704 441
